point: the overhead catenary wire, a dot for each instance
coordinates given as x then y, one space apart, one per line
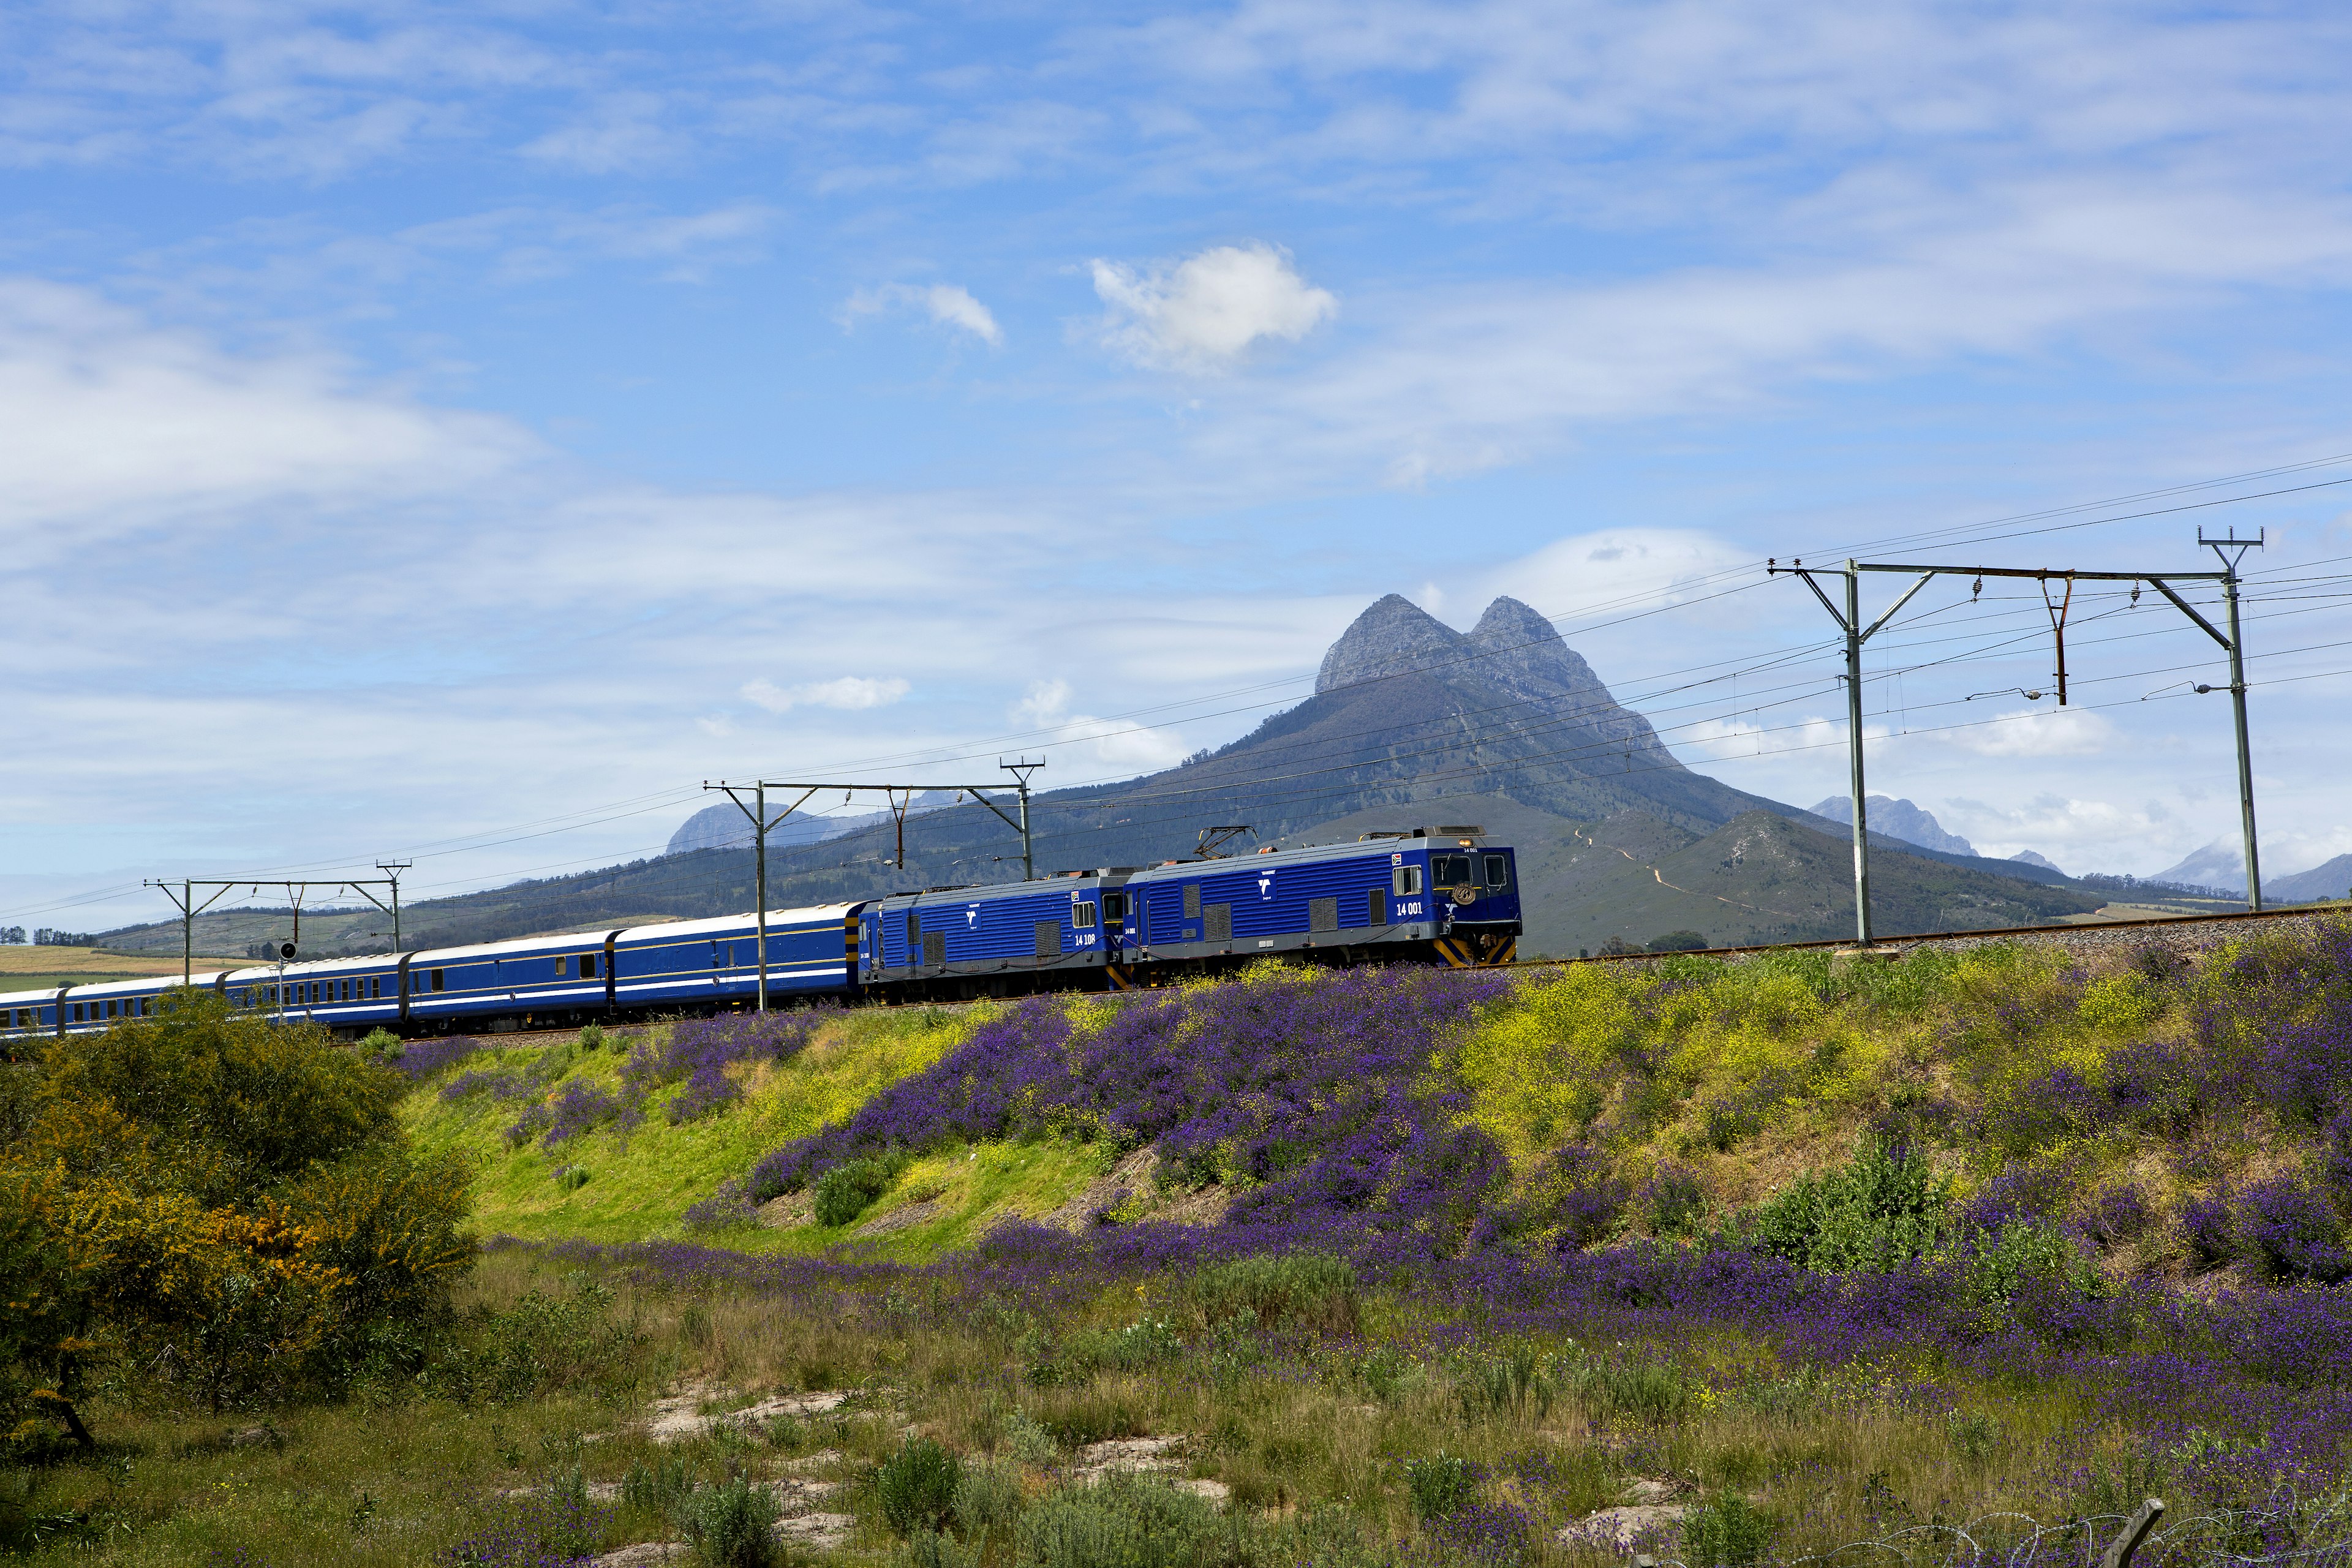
1676 596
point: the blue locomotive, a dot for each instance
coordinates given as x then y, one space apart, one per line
1439 896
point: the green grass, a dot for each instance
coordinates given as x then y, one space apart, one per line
641 1183
1327 1434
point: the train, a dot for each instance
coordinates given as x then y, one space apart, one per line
1434 895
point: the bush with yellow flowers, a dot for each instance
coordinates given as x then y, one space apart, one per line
216 1200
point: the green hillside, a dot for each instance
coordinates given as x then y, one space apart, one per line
636 1183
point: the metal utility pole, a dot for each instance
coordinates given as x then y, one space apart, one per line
183 899
1849 621
761 822
396 867
2230 551
1021 772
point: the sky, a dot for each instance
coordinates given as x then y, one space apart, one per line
458 432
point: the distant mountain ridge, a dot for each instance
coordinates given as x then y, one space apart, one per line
1901 819
1411 723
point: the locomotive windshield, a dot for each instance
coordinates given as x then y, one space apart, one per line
1450 870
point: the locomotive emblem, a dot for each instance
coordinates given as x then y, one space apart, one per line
1465 894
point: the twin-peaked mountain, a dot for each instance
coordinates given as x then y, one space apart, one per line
1407 710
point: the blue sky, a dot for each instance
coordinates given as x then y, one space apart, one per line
457 431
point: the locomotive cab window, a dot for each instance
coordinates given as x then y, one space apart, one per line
1449 870
1406 881
1114 907
1082 915
1498 871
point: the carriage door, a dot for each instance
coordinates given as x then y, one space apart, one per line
1122 922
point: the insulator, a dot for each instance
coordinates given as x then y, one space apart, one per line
1975 589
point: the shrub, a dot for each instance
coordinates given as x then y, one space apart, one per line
579 1106
1727 1529
2294 1232
1646 1391
846 1191
657 1485
1885 1209
1309 1289
986 1498
1672 1201
2208 1231
550 1524
220 1194
731 1526
1492 1533
1678 942
1998 1267
2118 1214
1132 1521
916 1486
1439 1485
1513 1385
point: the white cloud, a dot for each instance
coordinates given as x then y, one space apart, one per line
948 304
849 693
113 423
1108 742
1586 571
1205 313
2038 732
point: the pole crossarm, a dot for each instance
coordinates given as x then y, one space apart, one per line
2230 551
184 900
756 810
2034 571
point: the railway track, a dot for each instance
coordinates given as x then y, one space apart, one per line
2087 932
2090 934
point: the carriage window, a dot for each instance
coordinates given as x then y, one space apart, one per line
562 965
587 966
1082 915
375 986
1405 881
1498 871
437 980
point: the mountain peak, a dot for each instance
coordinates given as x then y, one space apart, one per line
1522 655
1392 637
